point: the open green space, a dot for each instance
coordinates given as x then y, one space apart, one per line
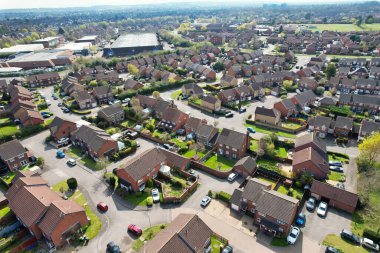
175 94
220 163
343 27
95 224
337 242
265 130
148 234
192 152
6 131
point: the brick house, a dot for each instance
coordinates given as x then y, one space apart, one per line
310 160
343 126
308 83
310 140
228 81
94 142
211 103
43 212
30 117
102 94
272 211
172 120
268 116
191 89
192 125
321 125
246 166
112 114
41 80
304 99
61 128
13 155
20 93
206 135
232 144
84 100
360 103
228 96
286 107
131 84
137 171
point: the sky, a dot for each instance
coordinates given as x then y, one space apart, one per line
25 4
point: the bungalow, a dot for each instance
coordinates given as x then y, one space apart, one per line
245 167
172 120
211 103
286 107
13 155
321 126
131 84
61 128
272 211
102 94
84 100
112 114
232 144
343 126
267 116
206 135
94 141
137 171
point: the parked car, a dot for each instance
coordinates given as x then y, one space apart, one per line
293 235
243 109
45 116
60 154
66 110
71 162
63 141
134 230
231 177
228 249
251 130
336 163
112 247
102 206
330 249
205 201
229 115
348 235
192 172
310 204
155 195
301 219
167 146
369 244
336 169
322 209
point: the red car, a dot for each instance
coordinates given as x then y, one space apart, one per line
102 206
134 230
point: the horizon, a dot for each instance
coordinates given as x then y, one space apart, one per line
45 4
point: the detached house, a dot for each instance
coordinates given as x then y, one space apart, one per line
232 144
286 107
267 116
321 125
61 128
245 166
131 84
13 155
211 103
206 135
173 120
84 100
137 171
102 94
112 114
191 89
228 81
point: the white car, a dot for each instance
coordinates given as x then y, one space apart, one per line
322 209
155 195
72 162
205 201
293 235
63 141
231 177
369 244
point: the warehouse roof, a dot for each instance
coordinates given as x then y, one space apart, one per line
136 40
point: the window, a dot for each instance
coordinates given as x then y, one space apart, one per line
24 162
234 156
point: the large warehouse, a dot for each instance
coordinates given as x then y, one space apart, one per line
133 43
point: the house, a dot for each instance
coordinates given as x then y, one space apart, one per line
360 103
138 170
172 120
228 81
272 211
29 117
5 86
244 92
192 125
18 105
211 103
267 116
246 166
186 233
206 135
326 101
112 114
286 107
337 198
311 161
20 93
61 128
310 140
304 99
13 155
84 100
343 126
368 128
94 142
45 213
192 89
232 144
308 83
102 94
321 125
228 96
41 80
131 84
70 85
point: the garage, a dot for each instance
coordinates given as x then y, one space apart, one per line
236 199
335 197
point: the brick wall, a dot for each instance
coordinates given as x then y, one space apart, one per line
219 174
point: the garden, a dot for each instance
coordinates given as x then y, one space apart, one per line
295 192
76 153
147 235
266 130
220 163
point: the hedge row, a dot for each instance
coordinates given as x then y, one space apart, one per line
224 196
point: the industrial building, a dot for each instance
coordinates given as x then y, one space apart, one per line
22 48
93 39
82 48
48 42
133 43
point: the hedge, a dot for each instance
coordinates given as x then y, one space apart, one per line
42 106
81 112
370 234
224 196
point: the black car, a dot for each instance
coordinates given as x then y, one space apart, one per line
348 235
229 115
243 109
332 250
112 247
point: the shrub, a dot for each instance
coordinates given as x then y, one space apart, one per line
149 183
250 116
224 196
149 201
42 106
290 192
72 183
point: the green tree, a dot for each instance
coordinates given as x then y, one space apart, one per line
72 183
93 83
218 66
132 69
40 162
156 94
320 90
330 70
369 151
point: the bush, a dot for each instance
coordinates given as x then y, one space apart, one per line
224 196
72 183
42 106
149 201
149 183
250 116
374 236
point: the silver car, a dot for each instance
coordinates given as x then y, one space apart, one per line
205 201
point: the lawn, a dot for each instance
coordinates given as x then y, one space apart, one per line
5 211
254 145
5 121
282 189
175 94
336 176
346 247
113 130
11 174
8 131
173 190
279 242
344 27
179 143
215 244
337 157
265 130
192 152
95 223
128 123
273 183
148 234
138 198
296 193
282 152
221 163
268 164
291 125
76 153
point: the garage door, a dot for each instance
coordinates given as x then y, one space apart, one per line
235 207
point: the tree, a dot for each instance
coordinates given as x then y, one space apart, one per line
320 90
72 183
369 152
359 21
132 69
93 83
112 182
61 31
306 178
156 94
330 70
40 162
101 165
308 16
218 66
369 19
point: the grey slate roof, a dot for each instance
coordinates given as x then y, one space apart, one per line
11 149
344 122
112 109
94 137
267 112
231 138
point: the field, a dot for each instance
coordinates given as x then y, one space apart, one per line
344 27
